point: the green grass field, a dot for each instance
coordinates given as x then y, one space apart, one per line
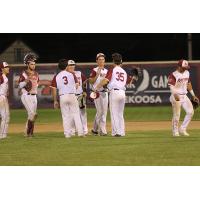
137 148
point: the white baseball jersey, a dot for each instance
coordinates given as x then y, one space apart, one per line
117 78
100 77
3 85
33 77
65 82
81 78
179 81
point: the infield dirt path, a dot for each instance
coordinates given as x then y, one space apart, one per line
130 126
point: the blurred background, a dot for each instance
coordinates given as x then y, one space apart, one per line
84 47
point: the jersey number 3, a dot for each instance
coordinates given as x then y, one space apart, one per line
120 76
65 80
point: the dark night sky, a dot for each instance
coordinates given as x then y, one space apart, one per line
84 47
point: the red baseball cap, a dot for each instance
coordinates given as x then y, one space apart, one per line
184 64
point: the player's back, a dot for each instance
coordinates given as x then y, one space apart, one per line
118 78
66 82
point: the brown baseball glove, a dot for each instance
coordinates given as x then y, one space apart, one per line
195 102
28 86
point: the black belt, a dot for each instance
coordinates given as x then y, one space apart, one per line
30 94
66 93
78 94
115 89
103 91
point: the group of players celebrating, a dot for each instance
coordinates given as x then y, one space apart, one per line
69 91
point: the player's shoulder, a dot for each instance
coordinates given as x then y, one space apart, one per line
78 73
95 69
105 69
187 72
24 73
174 73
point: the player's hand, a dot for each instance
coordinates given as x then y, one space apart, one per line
84 94
195 99
176 96
56 105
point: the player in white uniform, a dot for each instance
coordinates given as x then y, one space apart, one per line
67 83
179 83
28 97
4 106
101 103
81 97
116 79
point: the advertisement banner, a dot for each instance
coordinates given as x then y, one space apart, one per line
150 89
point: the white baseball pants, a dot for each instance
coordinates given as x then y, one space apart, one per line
117 104
101 104
176 106
5 116
70 114
83 116
30 104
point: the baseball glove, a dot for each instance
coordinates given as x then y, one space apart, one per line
136 72
195 102
28 86
81 101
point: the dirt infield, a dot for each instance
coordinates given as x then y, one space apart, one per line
130 126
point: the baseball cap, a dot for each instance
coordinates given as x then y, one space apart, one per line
71 62
3 65
183 63
100 55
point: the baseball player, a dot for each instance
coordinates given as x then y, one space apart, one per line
28 84
116 79
67 84
101 103
81 97
4 107
179 83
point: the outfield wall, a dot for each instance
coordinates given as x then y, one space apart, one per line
151 89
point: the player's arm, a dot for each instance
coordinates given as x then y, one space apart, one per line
106 80
54 92
94 75
171 83
190 89
103 82
22 82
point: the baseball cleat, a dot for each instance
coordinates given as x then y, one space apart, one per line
176 134
81 136
184 132
67 136
94 132
103 134
117 135
4 136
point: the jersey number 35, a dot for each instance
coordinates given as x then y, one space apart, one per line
120 76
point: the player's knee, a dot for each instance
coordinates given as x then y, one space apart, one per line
6 118
32 116
190 112
176 116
